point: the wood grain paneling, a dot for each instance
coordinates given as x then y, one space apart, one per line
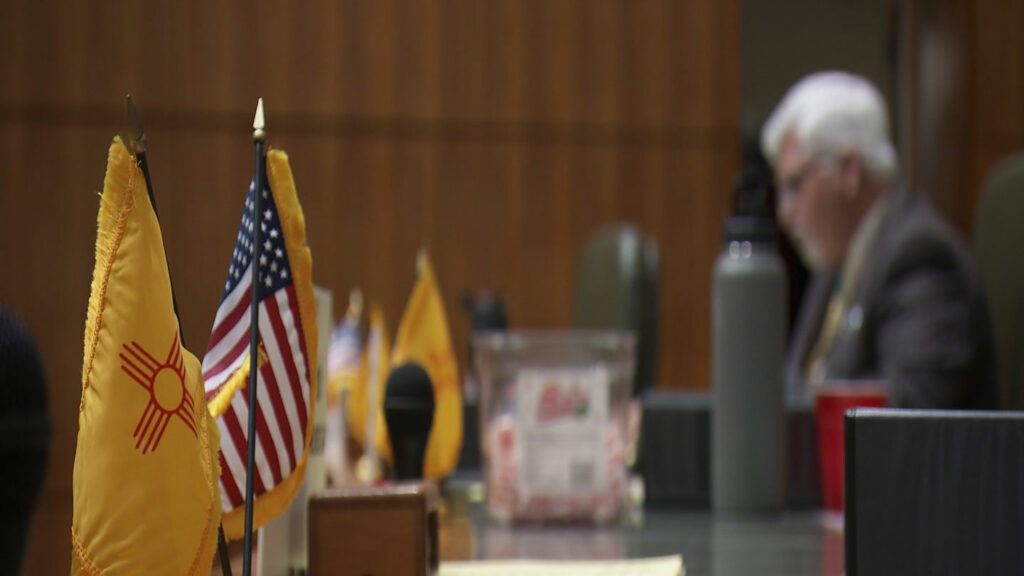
938 115
497 134
966 76
997 76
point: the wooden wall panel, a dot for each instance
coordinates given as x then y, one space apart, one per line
498 134
657 63
966 79
939 108
997 85
46 220
998 72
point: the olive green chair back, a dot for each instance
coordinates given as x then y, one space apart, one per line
999 243
617 288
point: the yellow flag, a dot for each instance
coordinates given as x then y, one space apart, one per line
423 338
365 406
145 475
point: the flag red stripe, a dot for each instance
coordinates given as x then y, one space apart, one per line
174 353
293 304
186 417
275 350
267 449
165 419
139 425
143 356
135 373
288 357
231 462
237 350
233 424
280 416
227 481
214 384
227 323
258 486
301 367
301 364
237 436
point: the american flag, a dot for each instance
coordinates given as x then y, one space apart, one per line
283 390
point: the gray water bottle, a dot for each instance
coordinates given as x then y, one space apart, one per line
749 338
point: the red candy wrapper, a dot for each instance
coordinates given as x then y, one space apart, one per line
508 500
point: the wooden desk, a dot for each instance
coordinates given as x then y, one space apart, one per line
794 544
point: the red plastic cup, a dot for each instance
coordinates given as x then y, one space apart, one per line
832 401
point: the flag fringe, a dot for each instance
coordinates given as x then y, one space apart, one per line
210 437
116 204
293 226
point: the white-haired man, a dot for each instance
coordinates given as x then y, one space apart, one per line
895 294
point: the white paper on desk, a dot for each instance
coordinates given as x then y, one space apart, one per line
661 566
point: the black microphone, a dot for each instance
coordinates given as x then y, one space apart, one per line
409 413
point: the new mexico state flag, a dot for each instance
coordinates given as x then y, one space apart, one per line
423 338
145 476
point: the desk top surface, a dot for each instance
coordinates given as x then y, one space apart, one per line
793 544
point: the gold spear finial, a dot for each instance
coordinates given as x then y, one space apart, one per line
355 305
259 128
421 261
136 140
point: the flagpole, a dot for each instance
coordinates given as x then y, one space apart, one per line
137 144
259 135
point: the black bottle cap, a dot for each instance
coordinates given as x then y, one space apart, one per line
752 219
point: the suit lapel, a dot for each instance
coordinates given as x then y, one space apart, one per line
808 324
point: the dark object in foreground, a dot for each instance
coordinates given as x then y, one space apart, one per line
934 492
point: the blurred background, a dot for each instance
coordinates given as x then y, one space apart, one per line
498 134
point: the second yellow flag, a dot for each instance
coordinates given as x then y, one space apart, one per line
423 337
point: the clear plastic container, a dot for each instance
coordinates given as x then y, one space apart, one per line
553 423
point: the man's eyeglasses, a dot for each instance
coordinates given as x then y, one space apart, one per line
789 187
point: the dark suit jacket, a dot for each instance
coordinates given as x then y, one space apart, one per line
917 319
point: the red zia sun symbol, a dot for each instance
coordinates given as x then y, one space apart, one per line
167 393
